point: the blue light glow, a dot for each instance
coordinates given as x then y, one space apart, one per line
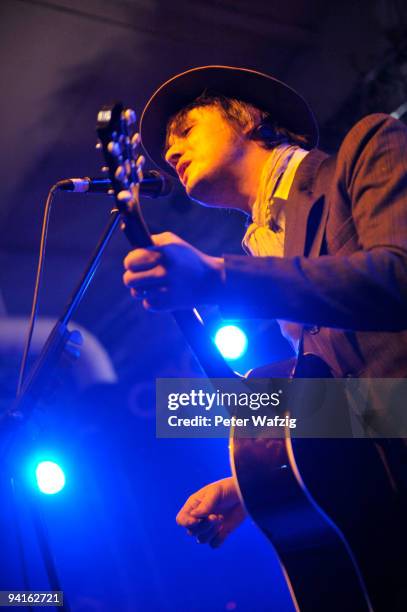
50 477
231 341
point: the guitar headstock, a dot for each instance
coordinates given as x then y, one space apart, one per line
119 141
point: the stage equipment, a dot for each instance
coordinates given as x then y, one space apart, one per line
231 341
154 185
50 477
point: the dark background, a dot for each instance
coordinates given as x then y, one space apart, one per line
112 529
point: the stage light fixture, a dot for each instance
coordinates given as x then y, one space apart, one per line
50 477
231 341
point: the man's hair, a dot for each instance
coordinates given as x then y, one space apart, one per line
258 123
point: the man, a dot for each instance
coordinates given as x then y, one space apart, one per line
328 235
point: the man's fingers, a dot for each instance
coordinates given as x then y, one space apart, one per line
234 518
203 527
147 284
208 536
153 298
142 259
145 278
189 522
183 517
165 238
212 513
207 504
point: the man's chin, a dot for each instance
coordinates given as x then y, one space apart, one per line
201 194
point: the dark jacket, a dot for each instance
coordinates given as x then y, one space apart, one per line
344 273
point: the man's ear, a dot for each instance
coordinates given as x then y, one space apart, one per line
266 134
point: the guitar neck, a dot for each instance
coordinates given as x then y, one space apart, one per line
119 141
189 321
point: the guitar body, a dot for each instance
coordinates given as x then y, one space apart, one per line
332 512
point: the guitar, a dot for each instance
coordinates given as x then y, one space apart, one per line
332 511
316 500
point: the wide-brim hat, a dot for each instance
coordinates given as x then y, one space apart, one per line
286 106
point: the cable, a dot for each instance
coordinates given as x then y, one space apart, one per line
38 279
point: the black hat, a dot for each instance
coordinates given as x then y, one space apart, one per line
288 108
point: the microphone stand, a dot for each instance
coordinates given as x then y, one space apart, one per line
59 341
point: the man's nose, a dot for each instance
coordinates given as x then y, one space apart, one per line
173 154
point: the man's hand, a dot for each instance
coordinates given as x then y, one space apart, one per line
212 513
173 274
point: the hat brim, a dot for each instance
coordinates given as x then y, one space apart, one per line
289 109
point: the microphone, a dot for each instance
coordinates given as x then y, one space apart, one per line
153 185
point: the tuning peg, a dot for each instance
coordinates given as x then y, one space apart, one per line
104 169
140 161
127 167
110 192
135 140
119 174
124 196
98 145
130 116
114 148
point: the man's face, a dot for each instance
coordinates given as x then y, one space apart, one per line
206 155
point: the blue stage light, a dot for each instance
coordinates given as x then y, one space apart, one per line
231 341
50 477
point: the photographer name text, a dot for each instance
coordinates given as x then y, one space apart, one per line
256 420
